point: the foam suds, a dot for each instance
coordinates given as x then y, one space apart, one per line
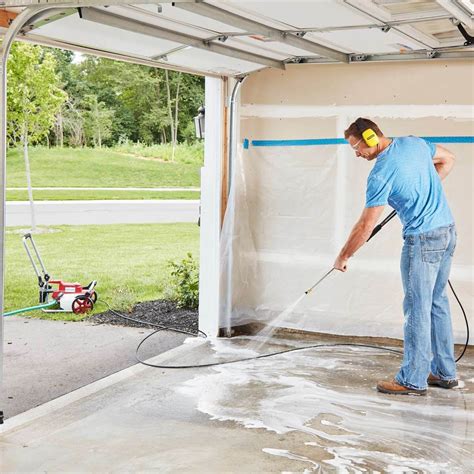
313 395
394 463
224 349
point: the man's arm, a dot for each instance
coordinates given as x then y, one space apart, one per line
358 236
443 161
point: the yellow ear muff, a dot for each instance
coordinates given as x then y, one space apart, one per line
370 137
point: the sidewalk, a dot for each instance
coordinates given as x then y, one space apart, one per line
54 188
123 211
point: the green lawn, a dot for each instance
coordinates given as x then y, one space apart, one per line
129 262
88 167
69 195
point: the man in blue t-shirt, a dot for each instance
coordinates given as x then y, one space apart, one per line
407 175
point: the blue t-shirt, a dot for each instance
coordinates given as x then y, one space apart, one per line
404 176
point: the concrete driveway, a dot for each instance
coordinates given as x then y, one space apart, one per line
46 359
306 411
102 212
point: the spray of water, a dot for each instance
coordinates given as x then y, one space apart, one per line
266 333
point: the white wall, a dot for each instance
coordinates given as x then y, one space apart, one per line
302 201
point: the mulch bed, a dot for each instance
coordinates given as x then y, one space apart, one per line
162 312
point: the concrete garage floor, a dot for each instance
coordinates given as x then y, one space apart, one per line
306 411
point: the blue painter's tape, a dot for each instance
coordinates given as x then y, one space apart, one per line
460 139
246 143
341 141
307 142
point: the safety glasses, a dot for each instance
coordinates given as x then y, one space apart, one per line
356 146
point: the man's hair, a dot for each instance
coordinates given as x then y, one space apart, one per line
356 128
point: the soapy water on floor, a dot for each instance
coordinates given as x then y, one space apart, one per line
327 396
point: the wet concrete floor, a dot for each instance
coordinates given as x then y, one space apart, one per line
307 411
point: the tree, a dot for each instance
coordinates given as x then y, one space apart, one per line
111 101
35 96
73 123
108 80
150 105
64 69
98 121
34 99
174 118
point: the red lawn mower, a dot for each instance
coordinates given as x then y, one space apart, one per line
71 297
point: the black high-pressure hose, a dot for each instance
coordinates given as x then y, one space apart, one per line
378 227
160 327
212 364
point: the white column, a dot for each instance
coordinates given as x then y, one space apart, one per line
211 176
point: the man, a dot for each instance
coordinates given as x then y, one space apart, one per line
407 175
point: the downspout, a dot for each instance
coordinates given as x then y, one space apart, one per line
18 23
230 168
232 131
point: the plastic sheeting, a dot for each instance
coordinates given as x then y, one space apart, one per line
290 211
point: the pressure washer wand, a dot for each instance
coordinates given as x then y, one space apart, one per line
319 281
377 228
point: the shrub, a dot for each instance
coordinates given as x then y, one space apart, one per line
185 282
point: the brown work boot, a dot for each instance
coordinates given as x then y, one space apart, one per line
393 387
437 382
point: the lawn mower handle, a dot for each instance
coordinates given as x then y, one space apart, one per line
44 276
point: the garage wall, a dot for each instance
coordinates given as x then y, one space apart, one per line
295 203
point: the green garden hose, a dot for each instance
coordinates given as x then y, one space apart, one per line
30 308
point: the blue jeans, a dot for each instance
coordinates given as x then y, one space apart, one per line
428 335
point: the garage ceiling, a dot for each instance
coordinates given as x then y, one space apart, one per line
233 38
